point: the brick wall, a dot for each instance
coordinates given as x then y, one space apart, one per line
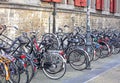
38 19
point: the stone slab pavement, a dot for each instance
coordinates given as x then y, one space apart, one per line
110 76
105 70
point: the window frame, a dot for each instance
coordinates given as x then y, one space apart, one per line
99 5
112 6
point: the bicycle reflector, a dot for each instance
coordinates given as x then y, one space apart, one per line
61 52
23 56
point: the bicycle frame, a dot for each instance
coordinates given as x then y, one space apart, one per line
6 62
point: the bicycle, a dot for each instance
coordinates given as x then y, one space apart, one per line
10 70
50 61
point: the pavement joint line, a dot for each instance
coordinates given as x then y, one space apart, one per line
93 73
102 73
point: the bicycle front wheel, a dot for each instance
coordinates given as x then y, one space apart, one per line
78 59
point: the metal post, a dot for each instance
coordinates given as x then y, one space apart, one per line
49 24
54 19
88 38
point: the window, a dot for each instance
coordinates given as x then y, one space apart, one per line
80 3
112 6
77 2
57 1
83 3
99 4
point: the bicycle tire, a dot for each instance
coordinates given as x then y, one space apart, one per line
14 73
79 65
97 54
115 50
24 76
2 74
51 71
105 50
30 68
54 40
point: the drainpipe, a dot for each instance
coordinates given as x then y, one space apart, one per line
54 17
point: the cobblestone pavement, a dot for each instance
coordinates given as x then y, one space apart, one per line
105 70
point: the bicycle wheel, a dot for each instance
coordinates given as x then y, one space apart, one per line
68 50
81 41
97 54
78 59
105 50
30 68
53 65
24 76
115 50
14 73
2 74
51 38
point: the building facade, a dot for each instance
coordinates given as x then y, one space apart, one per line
37 14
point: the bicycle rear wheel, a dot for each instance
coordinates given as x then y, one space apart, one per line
24 76
105 50
14 73
30 68
54 66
